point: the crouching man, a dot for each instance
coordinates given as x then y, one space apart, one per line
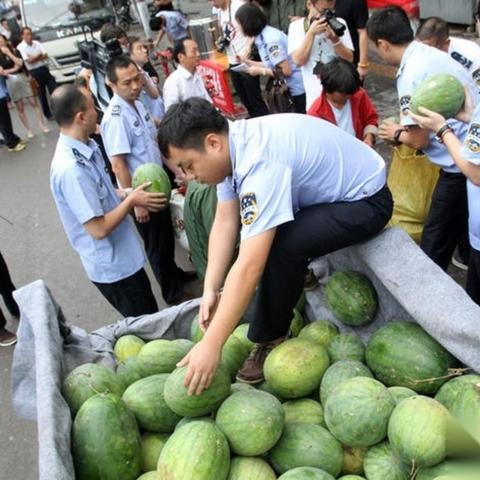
298 188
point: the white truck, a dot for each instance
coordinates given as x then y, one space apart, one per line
60 24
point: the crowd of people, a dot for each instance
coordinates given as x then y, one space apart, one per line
267 194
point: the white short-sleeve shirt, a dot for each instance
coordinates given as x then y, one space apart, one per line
419 62
322 51
467 53
31 51
471 152
285 162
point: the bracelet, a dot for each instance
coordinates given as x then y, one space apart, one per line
396 135
337 43
443 130
363 65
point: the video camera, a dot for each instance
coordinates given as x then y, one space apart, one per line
333 22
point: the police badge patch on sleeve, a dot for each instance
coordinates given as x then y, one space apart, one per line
274 51
405 104
248 208
476 76
472 141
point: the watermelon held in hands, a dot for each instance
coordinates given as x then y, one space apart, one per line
441 93
197 450
154 173
106 443
351 297
403 354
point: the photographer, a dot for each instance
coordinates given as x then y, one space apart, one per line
312 39
234 43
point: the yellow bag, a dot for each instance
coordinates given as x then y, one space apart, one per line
412 179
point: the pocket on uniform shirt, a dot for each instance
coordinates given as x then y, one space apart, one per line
102 191
140 145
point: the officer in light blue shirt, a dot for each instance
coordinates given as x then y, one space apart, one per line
272 47
298 187
446 225
129 136
173 23
92 213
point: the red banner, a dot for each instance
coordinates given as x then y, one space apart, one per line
410 6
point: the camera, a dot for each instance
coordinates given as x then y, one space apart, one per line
337 27
222 43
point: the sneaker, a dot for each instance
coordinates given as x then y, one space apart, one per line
252 369
311 282
7 339
458 262
18 147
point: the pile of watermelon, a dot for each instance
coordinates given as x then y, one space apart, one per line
330 407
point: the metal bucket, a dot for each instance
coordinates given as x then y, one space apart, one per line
205 31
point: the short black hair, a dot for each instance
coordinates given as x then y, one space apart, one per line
433 28
178 48
122 61
24 29
390 24
131 41
66 101
338 75
251 19
187 123
156 23
110 31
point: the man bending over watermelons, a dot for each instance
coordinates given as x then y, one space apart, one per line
296 187
446 223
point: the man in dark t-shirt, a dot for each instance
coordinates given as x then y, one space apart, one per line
355 13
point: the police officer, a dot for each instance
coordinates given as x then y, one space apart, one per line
93 213
272 47
301 188
446 223
129 135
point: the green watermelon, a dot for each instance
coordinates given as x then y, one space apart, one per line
449 391
303 410
106 442
306 473
401 393
417 431
466 409
145 398
161 356
265 387
302 300
382 463
240 387
320 331
177 398
152 172
351 297
152 444
297 323
234 353
252 421
241 332
449 467
129 371
295 367
197 451
442 93
403 354
87 380
306 445
338 373
127 346
346 346
250 468
367 404
351 477
184 344
187 420
353 460
196 333
149 476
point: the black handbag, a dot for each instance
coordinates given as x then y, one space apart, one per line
277 94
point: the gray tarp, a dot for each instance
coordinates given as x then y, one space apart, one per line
409 287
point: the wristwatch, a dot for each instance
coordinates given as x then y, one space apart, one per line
396 135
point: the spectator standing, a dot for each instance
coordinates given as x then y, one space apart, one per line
311 40
272 47
344 103
355 13
94 214
185 81
5 28
447 221
12 141
18 85
36 61
130 138
236 45
6 288
172 23
280 13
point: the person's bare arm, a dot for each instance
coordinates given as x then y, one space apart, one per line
302 53
415 137
363 54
